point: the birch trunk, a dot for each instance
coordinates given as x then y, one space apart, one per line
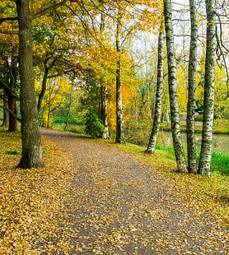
172 81
206 146
31 141
190 121
104 92
158 96
119 113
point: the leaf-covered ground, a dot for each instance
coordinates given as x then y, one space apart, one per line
31 200
94 198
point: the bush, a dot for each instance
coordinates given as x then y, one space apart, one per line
94 127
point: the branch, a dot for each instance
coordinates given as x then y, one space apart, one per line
8 89
8 19
11 112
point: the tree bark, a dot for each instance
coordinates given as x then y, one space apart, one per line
206 146
172 81
12 103
158 95
104 91
119 112
190 121
31 140
5 121
43 89
12 113
104 103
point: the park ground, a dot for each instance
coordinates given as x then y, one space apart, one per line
94 197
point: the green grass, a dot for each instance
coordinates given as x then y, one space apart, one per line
220 163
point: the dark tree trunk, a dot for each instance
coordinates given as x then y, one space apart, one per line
12 103
158 96
172 81
43 89
206 146
119 113
12 113
31 140
5 121
190 122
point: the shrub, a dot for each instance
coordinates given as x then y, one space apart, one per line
94 127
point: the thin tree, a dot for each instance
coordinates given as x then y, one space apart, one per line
104 91
210 61
5 122
119 112
31 140
158 95
172 82
190 121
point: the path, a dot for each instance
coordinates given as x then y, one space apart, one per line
118 205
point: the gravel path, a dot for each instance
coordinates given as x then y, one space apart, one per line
118 205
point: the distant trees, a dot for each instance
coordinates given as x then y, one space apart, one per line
93 46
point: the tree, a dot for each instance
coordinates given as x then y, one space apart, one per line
31 140
104 90
206 145
158 95
172 81
119 113
191 90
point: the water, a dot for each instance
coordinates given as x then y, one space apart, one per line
141 136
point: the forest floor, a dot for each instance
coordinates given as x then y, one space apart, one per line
95 198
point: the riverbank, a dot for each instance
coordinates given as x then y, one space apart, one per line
139 137
220 127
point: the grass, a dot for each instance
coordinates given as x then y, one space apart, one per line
220 163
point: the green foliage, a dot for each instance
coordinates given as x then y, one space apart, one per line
13 153
72 120
94 127
42 34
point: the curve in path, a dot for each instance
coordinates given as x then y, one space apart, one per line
118 205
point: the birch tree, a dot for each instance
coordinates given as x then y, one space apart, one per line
190 121
158 96
206 145
119 110
172 82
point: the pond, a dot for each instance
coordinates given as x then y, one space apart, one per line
140 137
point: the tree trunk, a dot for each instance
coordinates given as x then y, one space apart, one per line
104 92
206 146
190 121
119 113
5 121
104 116
172 81
12 103
12 113
43 89
158 96
31 140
